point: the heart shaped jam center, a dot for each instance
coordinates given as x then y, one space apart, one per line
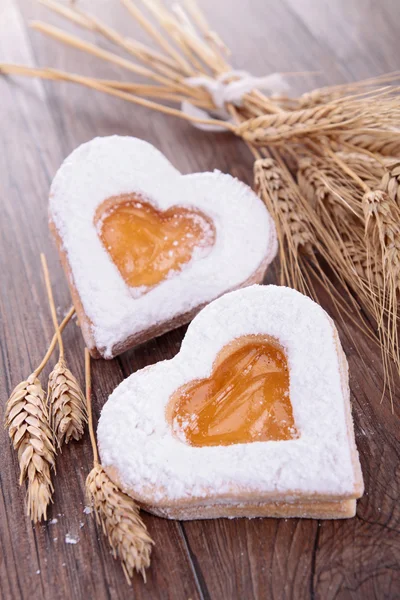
148 245
246 399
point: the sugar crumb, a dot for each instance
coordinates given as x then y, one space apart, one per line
70 539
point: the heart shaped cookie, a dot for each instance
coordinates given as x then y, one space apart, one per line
251 418
144 247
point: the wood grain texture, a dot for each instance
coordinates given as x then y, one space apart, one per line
40 124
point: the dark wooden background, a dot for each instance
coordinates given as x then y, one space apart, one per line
40 124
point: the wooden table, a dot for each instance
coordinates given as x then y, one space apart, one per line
40 124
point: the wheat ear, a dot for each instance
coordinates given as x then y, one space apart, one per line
391 182
116 512
382 234
274 188
66 400
27 420
28 425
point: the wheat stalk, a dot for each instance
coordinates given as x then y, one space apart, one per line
368 268
116 512
67 405
390 182
28 425
335 92
367 167
322 239
136 49
66 400
324 190
382 235
269 129
363 252
385 143
294 234
337 204
332 119
275 189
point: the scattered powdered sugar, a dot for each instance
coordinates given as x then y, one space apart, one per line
88 510
107 167
53 521
70 539
135 438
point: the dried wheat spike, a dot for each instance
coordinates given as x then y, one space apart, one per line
67 405
27 422
340 230
367 267
68 413
368 169
319 96
382 232
323 188
284 125
390 182
381 211
382 228
310 177
378 114
121 523
384 145
278 194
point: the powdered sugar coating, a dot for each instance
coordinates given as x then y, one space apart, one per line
135 438
111 166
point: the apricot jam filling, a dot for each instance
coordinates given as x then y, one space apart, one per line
246 398
147 245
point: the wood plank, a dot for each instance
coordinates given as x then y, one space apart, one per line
260 558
